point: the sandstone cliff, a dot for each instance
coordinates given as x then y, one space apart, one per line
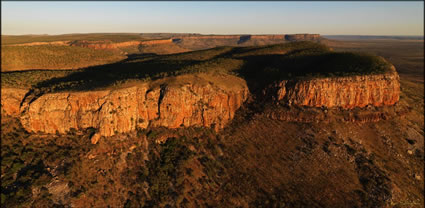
345 92
11 99
192 101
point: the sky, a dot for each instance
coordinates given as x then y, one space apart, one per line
214 17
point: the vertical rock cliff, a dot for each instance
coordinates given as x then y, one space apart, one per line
345 92
11 99
197 103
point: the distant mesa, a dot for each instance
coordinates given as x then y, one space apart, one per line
176 38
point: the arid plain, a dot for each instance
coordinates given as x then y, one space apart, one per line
187 120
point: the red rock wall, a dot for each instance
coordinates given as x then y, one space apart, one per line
122 110
189 103
344 92
11 99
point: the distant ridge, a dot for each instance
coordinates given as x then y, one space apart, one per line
370 37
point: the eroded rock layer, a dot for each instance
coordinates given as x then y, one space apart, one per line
196 103
184 101
345 92
11 99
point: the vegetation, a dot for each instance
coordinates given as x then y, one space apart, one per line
28 167
116 37
297 60
172 156
28 79
54 57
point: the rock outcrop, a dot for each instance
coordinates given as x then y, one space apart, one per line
345 92
11 99
194 102
188 100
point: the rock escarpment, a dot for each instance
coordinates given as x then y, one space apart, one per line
208 95
345 92
194 103
11 99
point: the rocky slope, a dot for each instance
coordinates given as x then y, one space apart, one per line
193 101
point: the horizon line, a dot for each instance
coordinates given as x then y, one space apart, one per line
46 34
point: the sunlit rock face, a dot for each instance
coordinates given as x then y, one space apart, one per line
122 110
345 92
11 99
186 101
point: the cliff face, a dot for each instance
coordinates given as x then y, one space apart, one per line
344 92
117 111
11 99
190 101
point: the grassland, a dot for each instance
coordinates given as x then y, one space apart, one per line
116 37
298 60
54 57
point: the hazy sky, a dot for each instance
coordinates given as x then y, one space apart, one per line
326 18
